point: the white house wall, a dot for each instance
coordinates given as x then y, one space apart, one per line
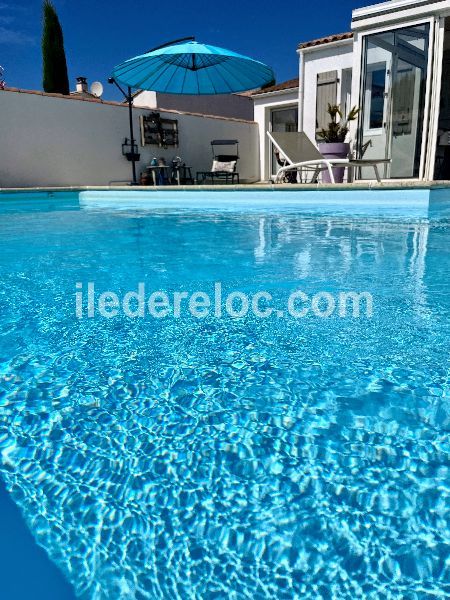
322 59
341 56
388 15
83 141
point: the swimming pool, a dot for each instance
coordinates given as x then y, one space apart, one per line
275 457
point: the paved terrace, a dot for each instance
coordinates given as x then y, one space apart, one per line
266 187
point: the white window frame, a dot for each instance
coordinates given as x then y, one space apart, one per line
271 110
435 100
367 131
359 75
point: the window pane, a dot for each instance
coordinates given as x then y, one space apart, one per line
285 119
377 88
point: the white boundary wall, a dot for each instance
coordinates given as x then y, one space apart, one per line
49 140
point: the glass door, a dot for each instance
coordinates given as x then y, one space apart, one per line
393 99
281 120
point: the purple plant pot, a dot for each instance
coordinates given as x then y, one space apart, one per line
336 150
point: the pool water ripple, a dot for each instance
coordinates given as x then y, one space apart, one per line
231 458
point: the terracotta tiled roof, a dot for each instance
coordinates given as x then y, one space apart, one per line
73 96
113 103
337 37
286 85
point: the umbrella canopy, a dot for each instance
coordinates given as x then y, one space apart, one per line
193 68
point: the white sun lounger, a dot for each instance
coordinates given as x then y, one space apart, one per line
300 152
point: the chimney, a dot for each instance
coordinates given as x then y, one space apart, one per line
82 86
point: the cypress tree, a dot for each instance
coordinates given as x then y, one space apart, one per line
55 78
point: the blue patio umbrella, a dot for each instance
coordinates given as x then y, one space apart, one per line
187 67
194 69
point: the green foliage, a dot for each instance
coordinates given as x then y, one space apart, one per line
338 127
55 78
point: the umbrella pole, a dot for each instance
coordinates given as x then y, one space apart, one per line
130 114
129 98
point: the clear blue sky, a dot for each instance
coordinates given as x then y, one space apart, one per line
102 33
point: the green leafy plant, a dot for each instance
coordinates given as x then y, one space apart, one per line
338 127
55 78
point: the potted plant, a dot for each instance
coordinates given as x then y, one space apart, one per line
332 144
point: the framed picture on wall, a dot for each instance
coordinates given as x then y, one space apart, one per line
157 131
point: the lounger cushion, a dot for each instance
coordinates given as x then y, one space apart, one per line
224 167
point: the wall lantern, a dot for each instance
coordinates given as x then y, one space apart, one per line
130 150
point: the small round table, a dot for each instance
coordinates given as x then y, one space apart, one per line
163 174
160 173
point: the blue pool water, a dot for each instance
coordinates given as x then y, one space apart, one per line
229 458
